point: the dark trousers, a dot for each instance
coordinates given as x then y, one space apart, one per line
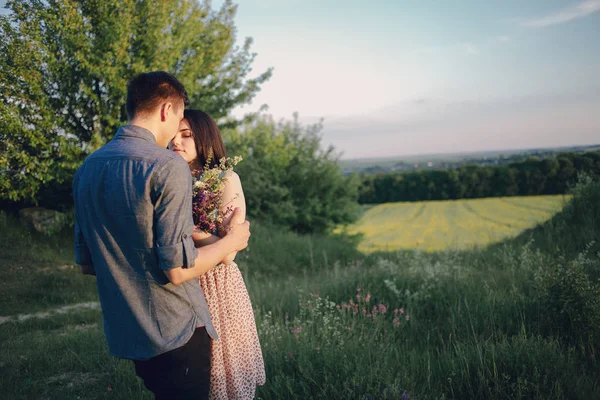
180 374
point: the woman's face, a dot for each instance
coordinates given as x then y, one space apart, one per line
183 142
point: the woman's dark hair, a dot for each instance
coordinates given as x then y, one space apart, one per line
207 137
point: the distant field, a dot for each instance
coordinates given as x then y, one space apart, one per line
438 225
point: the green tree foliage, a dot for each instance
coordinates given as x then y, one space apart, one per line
288 178
526 178
64 67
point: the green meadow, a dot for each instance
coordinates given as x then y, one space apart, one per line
516 319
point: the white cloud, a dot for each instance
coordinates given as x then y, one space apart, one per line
465 48
470 49
580 10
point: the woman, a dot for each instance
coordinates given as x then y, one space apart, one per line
236 359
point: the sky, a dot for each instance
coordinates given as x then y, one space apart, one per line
405 77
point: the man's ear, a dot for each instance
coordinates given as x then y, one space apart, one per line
165 109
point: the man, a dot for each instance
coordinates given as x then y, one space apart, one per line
133 231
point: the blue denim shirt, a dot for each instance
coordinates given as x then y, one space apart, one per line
133 212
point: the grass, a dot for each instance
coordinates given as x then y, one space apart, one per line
463 224
482 323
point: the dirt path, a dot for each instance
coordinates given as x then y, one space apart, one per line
92 305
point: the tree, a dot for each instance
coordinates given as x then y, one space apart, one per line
289 179
528 177
64 67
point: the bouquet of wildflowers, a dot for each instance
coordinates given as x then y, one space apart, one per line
207 192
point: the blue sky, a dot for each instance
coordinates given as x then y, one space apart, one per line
412 77
430 76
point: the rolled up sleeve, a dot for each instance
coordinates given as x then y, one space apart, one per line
82 252
173 221
180 254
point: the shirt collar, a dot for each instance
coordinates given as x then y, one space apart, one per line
136 132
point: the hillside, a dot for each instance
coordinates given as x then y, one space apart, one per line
519 319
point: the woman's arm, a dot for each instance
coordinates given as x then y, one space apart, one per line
202 238
233 197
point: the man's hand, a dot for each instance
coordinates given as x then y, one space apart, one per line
239 231
212 254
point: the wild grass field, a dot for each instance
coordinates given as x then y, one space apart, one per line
462 224
518 319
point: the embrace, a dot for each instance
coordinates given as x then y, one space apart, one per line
173 300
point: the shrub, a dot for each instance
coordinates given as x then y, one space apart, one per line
570 299
289 179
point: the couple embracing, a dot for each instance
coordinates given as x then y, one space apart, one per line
173 300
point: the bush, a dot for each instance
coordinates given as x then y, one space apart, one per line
571 300
289 179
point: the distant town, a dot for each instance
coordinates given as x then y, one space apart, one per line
451 161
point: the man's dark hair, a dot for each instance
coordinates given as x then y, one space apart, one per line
147 90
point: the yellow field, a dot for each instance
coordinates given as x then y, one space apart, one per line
438 225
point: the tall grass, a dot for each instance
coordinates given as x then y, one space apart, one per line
37 272
516 320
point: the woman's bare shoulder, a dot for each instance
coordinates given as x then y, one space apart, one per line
231 176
